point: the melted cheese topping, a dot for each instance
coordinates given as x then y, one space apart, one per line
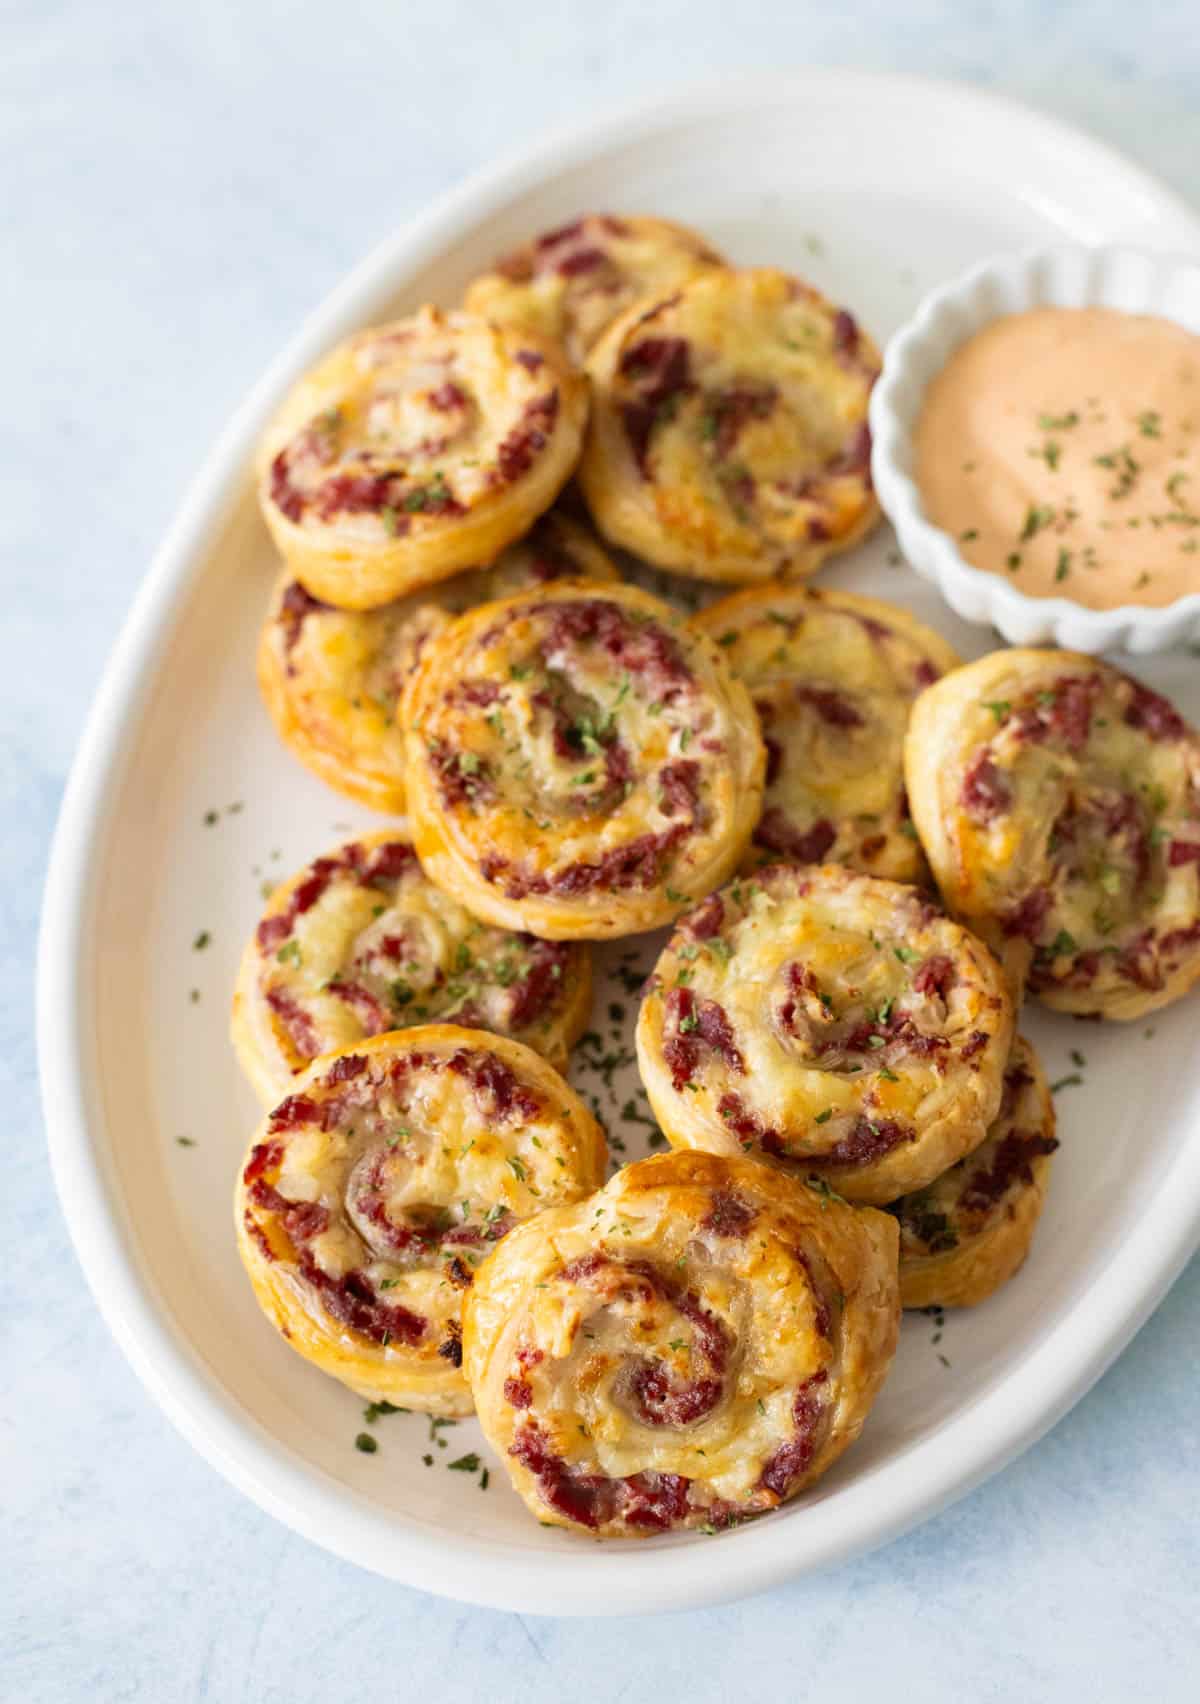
370 1195
968 1232
833 677
1059 803
580 764
694 1345
332 678
359 942
1061 449
832 1024
729 434
571 283
415 450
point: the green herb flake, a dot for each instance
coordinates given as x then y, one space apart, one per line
1036 517
366 1443
378 1410
1174 487
828 1194
1073 1081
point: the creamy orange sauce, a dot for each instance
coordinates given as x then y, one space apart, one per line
1061 449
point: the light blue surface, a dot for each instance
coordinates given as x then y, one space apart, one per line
178 186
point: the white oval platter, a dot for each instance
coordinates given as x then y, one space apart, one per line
876 188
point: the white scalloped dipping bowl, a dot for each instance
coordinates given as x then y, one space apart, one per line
1120 278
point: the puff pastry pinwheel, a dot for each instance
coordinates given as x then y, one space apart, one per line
969 1231
1058 801
415 450
696 1344
360 942
572 282
837 1026
579 764
833 677
372 1192
729 435
331 678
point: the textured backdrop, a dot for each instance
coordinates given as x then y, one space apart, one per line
178 186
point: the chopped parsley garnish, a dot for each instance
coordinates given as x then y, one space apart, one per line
366 1443
202 940
289 953
1121 462
820 1187
1174 487
1036 517
376 1411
